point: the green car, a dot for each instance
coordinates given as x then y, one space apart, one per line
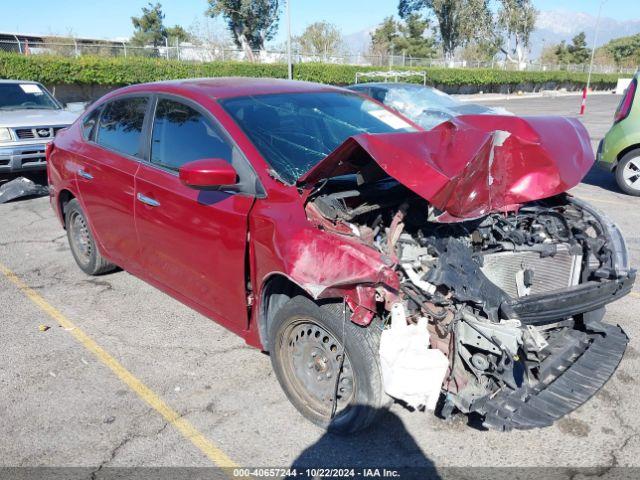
619 150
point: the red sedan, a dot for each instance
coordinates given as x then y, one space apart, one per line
372 259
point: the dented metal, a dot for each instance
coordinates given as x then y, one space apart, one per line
472 222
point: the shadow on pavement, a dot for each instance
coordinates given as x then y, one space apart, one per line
386 445
600 178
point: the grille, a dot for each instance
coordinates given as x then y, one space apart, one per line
25 133
38 132
507 270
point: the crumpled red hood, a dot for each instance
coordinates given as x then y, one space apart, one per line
473 164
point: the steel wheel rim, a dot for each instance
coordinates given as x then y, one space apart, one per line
80 238
311 363
631 173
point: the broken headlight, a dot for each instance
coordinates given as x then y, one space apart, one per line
615 241
619 253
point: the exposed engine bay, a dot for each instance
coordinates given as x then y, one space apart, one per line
513 299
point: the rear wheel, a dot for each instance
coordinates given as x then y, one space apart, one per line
83 245
628 173
307 346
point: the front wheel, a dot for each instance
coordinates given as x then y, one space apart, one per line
628 173
306 352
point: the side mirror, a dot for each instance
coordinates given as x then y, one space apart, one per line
209 173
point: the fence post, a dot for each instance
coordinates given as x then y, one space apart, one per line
75 48
19 46
124 46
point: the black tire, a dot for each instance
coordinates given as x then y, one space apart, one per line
629 164
83 245
315 334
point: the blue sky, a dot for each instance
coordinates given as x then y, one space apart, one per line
111 18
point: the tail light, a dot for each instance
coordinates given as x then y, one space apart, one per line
626 103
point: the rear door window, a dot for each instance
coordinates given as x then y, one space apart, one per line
89 123
120 127
181 134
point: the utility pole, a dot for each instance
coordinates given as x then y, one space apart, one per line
593 54
289 64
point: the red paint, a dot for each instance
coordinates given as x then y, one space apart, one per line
215 250
583 104
208 173
452 166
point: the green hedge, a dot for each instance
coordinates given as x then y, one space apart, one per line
124 71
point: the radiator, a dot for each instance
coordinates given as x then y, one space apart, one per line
508 270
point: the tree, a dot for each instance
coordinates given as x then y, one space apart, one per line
517 19
177 34
458 20
408 38
412 40
320 38
251 22
624 50
149 29
562 53
578 51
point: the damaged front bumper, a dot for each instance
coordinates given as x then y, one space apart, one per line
579 364
568 302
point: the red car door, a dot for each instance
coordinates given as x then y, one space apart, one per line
193 242
106 177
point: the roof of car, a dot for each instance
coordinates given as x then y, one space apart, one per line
17 81
225 87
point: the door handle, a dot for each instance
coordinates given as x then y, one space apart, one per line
85 175
148 200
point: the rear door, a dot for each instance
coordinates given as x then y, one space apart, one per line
106 175
193 242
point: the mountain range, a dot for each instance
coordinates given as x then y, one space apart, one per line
552 27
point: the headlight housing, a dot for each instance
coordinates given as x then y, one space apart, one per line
5 135
615 241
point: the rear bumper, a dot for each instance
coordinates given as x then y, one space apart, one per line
20 158
568 302
607 166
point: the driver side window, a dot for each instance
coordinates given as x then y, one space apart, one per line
181 134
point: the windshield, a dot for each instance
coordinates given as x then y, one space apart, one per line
18 96
294 131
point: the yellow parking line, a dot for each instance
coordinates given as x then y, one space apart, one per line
634 294
216 455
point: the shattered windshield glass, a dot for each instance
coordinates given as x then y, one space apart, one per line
427 106
294 131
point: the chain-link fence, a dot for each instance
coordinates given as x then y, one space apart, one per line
208 53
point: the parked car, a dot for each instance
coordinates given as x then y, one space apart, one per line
367 256
426 106
30 117
619 150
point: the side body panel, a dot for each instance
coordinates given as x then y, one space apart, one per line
107 197
194 242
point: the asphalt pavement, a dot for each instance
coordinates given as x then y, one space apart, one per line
106 371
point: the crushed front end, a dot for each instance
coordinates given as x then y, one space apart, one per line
514 298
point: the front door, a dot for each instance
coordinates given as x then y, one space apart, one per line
193 242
